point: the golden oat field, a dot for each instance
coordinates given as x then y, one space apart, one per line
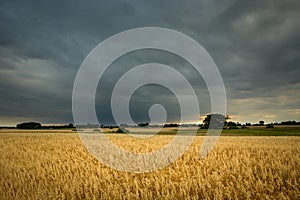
56 165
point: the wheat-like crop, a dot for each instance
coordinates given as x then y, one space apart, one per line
57 166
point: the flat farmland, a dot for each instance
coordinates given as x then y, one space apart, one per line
56 165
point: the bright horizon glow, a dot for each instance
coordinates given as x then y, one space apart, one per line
202 117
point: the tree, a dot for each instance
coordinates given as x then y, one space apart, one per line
269 126
261 123
233 125
70 125
215 121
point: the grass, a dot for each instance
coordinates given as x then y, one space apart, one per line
262 132
56 165
255 131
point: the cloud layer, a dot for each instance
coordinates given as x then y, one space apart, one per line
255 44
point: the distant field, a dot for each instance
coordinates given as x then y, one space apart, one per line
250 131
261 131
55 165
253 131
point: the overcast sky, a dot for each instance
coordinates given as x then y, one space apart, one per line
255 44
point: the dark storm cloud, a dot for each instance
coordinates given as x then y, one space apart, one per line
255 44
263 42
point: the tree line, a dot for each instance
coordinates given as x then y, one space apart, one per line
215 121
36 125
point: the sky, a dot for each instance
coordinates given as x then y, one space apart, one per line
255 44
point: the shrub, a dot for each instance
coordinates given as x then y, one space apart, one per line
120 130
244 127
269 126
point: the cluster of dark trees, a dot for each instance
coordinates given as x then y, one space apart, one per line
170 125
220 121
287 123
7 127
59 127
262 123
36 125
89 125
29 125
